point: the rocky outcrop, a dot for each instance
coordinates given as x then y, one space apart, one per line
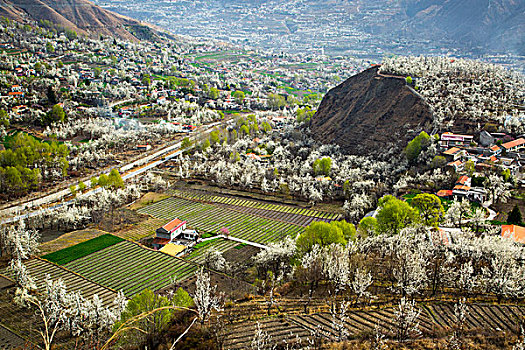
369 112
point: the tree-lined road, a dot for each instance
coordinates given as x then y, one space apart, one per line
129 171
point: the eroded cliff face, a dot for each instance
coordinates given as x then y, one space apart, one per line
370 112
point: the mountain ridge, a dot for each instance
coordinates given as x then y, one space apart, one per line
81 16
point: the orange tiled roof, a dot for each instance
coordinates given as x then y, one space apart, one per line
462 180
452 151
517 233
456 163
444 193
514 143
173 224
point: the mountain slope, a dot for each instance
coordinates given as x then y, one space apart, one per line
82 16
369 113
496 24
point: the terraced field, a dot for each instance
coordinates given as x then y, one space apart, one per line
38 268
222 245
10 340
131 268
241 335
433 317
359 322
485 316
211 218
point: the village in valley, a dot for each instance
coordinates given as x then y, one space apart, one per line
175 193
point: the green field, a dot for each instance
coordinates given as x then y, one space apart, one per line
131 268
211 218
83 249
38 269
255 204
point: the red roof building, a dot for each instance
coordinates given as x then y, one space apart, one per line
515 232
514 145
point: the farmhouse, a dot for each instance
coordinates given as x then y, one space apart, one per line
172 229
515 232
173 232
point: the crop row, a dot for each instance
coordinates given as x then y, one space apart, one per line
38 268
129 267
483 316
210 218
10 340
142 229
222 245
254 204
296 219
282 333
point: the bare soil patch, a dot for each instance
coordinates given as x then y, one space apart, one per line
147 199
69 239
120 219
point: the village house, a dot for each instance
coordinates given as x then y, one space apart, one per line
514 146
168 232
172 232
449 139
463 189
457 165
454 153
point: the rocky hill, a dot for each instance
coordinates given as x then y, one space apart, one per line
370 112
82 16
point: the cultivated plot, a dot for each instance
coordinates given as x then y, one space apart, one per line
198 255
211 218
131 268
38 268
256 207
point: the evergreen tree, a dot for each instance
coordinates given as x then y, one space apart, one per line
515 216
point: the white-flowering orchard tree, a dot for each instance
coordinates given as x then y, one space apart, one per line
206 297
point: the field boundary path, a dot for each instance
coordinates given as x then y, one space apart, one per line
232 238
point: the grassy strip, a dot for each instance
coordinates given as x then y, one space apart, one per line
83 249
